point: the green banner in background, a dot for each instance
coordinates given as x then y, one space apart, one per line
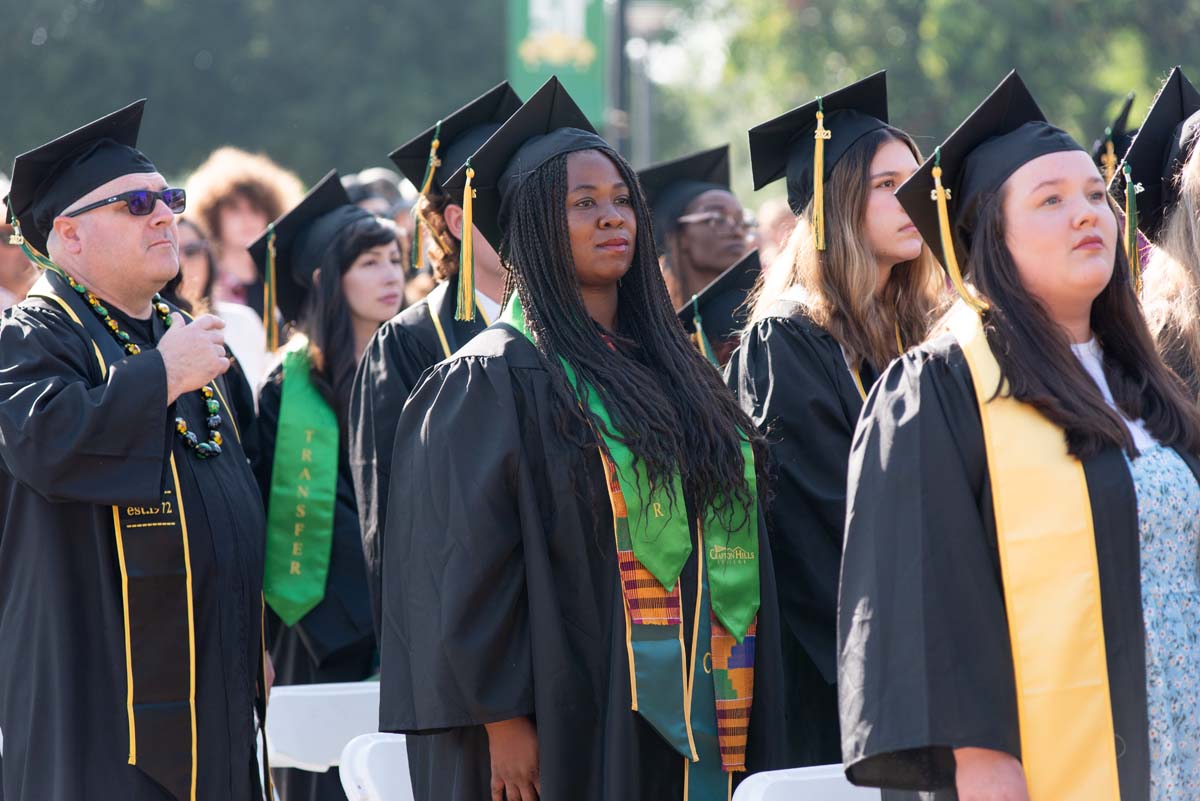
567 38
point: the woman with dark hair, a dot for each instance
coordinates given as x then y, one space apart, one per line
586 588
824 322
1020 606
700 227
338 272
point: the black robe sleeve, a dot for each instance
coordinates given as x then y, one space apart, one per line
788 380
456 647
390 367
69 434
925 664
341 620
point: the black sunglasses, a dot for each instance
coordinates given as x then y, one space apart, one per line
140 202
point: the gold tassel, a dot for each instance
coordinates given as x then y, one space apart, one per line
418 252
1109 157
941 194
269 293
819 176
1131 228
466 257
31 253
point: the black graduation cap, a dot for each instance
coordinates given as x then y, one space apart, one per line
300 239
1108 150
458 136
547 125
48 179
787 145
716 311
1159 151
1003 133
670 186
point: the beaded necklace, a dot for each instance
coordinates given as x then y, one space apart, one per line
202 450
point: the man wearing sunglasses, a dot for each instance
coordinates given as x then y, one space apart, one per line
131 530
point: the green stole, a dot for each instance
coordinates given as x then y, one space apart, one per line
303 492
706 722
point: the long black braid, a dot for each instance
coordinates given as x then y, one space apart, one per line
669 406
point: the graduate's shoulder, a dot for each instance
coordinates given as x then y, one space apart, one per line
788 322
499 345
37 324
931 376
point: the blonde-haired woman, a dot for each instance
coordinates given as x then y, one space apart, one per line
1163 162
852 286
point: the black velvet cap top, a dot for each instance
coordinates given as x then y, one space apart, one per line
720 303
1006 131
1162 145
459 135
49 179
547 125
785 146
302 237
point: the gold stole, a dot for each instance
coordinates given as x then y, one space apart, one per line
1051 588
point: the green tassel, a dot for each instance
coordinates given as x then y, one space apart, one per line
701 340
1131 229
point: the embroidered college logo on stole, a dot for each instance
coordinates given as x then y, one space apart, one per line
1048 561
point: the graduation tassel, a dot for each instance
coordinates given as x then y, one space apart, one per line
31 253
418 251
269 294
466 258
819 176
1109 157
1131 228
702 343
941 195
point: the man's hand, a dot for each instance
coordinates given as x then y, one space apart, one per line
986 775
193 354
514 749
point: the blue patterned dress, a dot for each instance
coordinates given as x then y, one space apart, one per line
1168 500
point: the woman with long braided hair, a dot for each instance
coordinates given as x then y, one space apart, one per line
586 589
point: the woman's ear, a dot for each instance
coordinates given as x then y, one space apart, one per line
453 215
317 277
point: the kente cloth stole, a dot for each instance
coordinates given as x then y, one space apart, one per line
705 722
158 610
303 492
1048 561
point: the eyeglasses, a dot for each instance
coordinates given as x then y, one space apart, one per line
140 202
720 219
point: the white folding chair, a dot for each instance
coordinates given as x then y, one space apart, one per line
308 725
822 783
374 767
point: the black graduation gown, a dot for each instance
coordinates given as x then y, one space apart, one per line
399 352
335 641
72 444
791 378
502 594
925 658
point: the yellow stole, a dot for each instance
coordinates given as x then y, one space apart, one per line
1051 588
